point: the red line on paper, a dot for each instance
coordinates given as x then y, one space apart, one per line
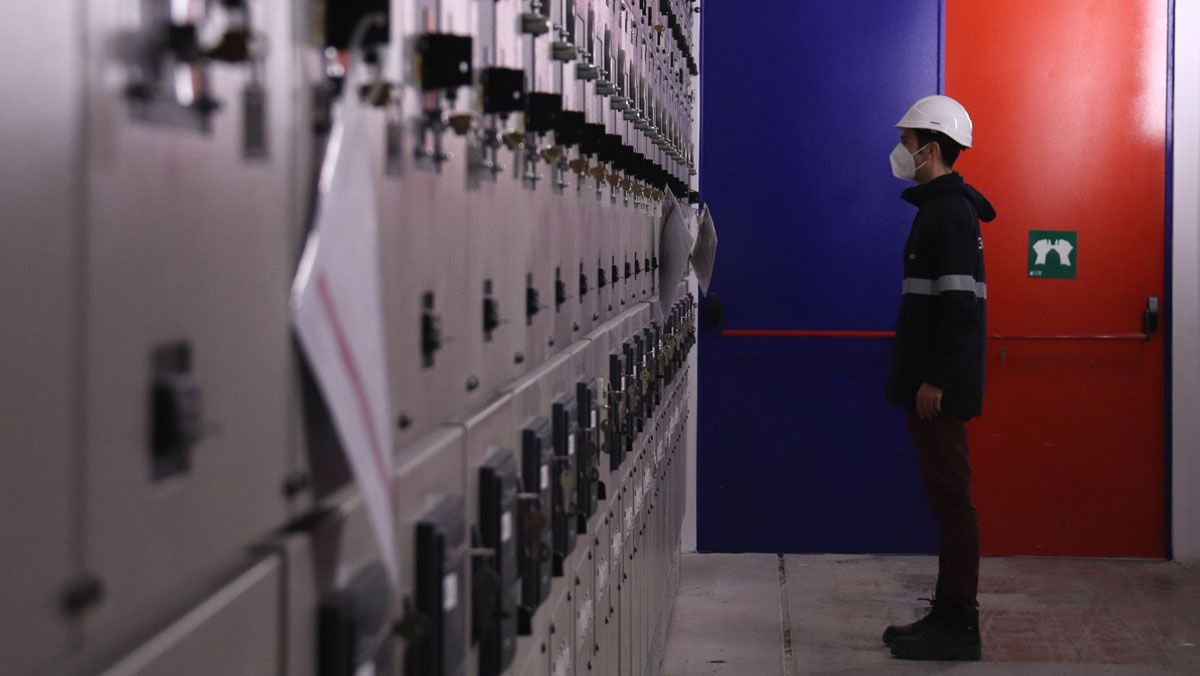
360 392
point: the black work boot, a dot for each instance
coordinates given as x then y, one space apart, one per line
954 635
904 630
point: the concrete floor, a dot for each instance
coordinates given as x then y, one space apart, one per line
746 615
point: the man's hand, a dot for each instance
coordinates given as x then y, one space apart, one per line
929 402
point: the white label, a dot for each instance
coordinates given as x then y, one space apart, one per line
449 592
366 669
622 382
570 444
545 477
564 664
583 622
506 526
594 416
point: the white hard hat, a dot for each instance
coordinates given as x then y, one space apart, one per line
939 113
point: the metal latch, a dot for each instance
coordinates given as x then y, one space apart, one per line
1150 317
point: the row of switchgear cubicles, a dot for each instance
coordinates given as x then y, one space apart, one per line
177 497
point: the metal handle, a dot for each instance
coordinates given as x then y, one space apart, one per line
1150 317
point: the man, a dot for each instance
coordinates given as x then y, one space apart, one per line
938 364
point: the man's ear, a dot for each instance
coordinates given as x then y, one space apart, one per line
934 150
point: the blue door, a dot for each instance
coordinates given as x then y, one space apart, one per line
798 452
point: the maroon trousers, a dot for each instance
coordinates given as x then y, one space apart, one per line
941 446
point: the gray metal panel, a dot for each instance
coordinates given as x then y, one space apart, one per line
576 367
570 234
561 633
602 569
432 251
494 426
431 468
483 431
584 582
425 235
235 631
324 557
187 240
644 587
619 589
541 233
531 659
298 153
607 305
428 241
510 44
629 587
300 603
505 217
588 304
627 615
533 393
39 345
602 340
616 544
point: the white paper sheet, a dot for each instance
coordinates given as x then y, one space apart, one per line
337 314
704 253
674 250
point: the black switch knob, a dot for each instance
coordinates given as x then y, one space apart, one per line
560 293
431 336
569 129
592 139
610 147
446 61
503 90
533 303
176 410
542 111
491 316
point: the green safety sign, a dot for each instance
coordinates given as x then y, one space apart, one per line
1053 254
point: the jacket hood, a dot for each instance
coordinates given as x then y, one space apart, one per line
919 195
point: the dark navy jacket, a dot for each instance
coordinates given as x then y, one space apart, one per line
941 333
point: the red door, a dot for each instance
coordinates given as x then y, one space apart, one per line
1069 103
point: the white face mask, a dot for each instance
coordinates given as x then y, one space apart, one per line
904 164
